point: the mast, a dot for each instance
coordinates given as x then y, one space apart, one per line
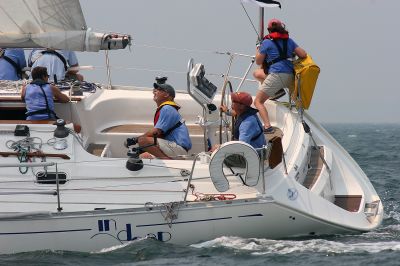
261 23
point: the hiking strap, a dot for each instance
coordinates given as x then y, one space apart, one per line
15 65
44 111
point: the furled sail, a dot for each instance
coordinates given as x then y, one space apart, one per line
55 24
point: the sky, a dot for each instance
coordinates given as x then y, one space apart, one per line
354 42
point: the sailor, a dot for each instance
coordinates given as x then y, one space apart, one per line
247 128
12 61
261 73
275 54
57 63
172 134
39 94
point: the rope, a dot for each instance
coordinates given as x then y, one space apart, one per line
23 158
245 11
212 197
171 212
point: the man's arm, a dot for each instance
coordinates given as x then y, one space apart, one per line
259 57
61 97
300 52
73 62
153 132
23 91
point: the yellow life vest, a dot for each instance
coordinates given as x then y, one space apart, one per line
306 75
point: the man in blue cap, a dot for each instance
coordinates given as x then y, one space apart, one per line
172 134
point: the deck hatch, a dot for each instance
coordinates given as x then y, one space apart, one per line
50 177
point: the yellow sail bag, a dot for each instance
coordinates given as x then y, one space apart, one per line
306 75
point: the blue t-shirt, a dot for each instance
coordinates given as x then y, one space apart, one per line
248 129
53 64
35 101
168 118
7 71
269 49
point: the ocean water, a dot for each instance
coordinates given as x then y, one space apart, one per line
376 148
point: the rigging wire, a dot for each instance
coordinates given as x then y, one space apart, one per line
258 35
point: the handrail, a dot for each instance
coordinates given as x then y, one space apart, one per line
27 164
243 79
36 154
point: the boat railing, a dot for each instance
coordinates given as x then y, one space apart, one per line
226 76
190 177
39 164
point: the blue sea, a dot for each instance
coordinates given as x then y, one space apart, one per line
376 148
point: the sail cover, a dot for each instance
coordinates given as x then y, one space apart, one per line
55 24
263 3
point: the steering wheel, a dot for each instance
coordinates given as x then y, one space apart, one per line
225 124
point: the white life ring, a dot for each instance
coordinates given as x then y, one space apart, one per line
252 172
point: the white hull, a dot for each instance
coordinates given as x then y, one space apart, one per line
96 230
103 204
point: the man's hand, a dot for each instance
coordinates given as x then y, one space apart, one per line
130 142
223 108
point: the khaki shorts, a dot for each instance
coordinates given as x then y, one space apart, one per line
170 148
276 81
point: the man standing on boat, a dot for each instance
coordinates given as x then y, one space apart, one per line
274 52
172 134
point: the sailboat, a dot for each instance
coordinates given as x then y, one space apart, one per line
84 191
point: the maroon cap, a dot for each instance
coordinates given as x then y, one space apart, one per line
274 21
242 97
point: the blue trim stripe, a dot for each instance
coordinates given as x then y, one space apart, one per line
46 232
100 224
251 215
185 222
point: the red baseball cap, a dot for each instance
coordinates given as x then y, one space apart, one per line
242 97
274 21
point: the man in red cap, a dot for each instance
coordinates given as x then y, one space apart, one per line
248 127
274 52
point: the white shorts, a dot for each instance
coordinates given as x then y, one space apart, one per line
170 148
276 81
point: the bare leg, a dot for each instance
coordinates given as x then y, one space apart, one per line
154 150
259 74
259 101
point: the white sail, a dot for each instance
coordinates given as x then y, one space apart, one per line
56 24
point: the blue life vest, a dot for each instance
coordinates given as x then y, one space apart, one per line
39 101
249 112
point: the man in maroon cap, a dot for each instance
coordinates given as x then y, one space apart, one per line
248 127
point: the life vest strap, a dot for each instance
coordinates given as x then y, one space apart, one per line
14 64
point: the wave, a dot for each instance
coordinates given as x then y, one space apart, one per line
283 247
